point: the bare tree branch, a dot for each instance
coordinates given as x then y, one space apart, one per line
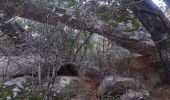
39 14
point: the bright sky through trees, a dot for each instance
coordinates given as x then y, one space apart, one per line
159 3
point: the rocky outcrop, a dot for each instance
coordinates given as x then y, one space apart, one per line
86 83
67 88
141 68
19 81
16 66
113 87
72 88
135 95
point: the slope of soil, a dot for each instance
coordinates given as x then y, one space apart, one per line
161 92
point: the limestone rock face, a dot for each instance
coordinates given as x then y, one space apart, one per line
19 81
71 88
15 66
115 86
135 95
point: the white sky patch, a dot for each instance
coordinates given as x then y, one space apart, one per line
160 3
34 34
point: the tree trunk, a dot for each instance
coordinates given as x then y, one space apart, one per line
153 19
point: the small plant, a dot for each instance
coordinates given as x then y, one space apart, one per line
28 96
7 92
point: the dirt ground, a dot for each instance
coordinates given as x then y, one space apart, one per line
161 92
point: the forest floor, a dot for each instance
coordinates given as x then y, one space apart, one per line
160 92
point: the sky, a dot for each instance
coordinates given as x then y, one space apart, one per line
159 2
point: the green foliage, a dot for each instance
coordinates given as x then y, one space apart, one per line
103 13
108 96
71 3
154 58
90 45
124 16
135 23
33 96
114 24
123 2
6 91
77 14
27 95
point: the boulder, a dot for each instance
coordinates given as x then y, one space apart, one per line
13 87
65 87
70 88
115 86
16 66
135 95
19 81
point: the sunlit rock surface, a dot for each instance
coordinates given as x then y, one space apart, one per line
113 87
19 81
135 95
17 65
